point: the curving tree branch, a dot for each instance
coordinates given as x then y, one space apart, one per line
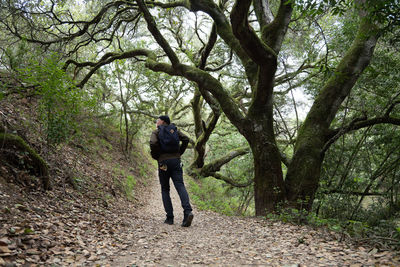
228 180
61 27
218 163
211 169
202 78
224 30
274 33
107 59
151 25
263 12
357 124
171 4
258 51
289 76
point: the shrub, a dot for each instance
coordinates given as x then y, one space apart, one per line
61 104
211 194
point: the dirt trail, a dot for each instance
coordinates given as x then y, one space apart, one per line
218 240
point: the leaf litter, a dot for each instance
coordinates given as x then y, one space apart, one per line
70 231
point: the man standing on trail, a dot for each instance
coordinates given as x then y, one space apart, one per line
165 148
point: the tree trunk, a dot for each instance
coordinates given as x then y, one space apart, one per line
269 190
199 150
302 179
303 174
268 179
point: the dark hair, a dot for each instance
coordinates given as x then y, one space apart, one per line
165 118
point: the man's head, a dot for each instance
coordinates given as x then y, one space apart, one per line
164 119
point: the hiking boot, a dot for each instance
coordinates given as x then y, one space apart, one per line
169 221
187 220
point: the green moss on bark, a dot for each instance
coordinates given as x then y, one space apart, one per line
12 141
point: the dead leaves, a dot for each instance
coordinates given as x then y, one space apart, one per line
63 227
219 240
62 231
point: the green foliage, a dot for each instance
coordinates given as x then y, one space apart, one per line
206 195
130 183
15 57
289 215
382 11
125 181
144 171
314 8
211 194
351 228
320 33
61 103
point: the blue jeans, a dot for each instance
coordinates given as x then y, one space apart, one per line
173 171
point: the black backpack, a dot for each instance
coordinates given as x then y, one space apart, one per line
168 138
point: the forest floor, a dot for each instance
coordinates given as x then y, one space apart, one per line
70 232
219 240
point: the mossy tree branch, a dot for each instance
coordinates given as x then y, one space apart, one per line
263 12
228 180
254 47
304 169
357 124
216 165
202 130
274 33
224 30
345 76
211 169
65 28
152 26
105 60
202 78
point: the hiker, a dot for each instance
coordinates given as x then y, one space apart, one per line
165 148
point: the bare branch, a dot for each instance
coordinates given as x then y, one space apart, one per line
208 47
228 62
228 180
107 59
151 25
356 124
218 163
290 75
354 193
62 30
141 112
391 107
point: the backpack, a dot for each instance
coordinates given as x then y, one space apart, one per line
168 138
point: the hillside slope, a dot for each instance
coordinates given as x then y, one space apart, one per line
95 192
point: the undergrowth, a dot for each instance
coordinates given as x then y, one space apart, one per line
214 195
383 234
